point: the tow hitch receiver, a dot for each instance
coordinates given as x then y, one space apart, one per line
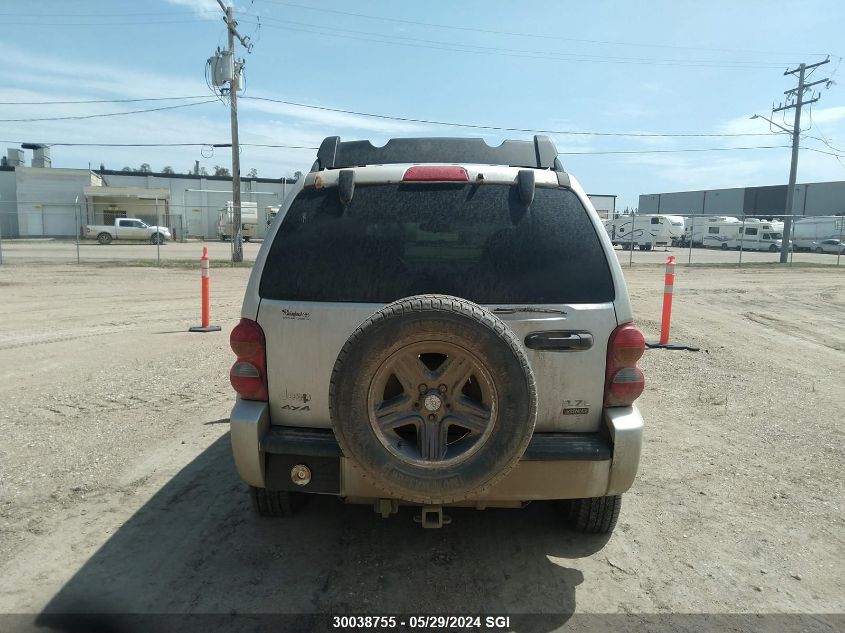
431 517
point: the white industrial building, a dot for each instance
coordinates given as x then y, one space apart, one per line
41 201
605 205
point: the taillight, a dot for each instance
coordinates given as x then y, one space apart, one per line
435 173
624 382
249 373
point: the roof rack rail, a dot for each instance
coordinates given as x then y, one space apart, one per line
540 153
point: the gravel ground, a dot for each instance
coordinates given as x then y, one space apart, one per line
117 490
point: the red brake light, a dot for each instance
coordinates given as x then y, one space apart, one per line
435 173
249 373
624 381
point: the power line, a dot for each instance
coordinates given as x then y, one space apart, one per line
114 23
502 128
57 144
397 118
821 151
106 114
314 147
673 151
85 101
105 15
516 53
516 33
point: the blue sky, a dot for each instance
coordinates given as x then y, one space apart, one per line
655 67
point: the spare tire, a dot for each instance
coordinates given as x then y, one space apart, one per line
433 399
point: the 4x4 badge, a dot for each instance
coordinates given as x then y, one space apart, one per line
293 407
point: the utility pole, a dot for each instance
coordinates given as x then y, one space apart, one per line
234 80
798 93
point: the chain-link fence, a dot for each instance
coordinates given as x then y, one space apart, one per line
158 232
151 232
728 239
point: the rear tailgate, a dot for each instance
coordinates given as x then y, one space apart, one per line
542 268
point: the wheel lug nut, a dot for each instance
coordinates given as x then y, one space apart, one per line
432 417
442 388
416 405
423 388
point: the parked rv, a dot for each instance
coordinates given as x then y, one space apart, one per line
807 233
645 231
716 229
758 235
249 221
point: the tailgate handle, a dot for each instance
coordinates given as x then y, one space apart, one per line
559 341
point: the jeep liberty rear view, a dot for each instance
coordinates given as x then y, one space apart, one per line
438 322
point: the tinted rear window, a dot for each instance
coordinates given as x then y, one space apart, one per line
471 241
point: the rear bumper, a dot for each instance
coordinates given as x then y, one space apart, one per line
555 465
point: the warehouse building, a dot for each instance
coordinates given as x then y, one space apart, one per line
42 201
605 205
812 199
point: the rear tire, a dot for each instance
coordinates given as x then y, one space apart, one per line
157 238
819 250
104 238
773 249
276 503
595 515
724 246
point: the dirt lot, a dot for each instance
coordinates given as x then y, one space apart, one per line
117 490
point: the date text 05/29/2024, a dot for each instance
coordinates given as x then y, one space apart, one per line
387 622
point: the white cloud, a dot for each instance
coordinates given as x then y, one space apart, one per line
208 9
834 114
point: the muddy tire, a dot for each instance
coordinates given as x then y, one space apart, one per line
276 503
433 399
596 515
104 238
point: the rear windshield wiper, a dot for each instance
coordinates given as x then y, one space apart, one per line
527 309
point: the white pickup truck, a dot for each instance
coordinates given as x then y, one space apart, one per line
127 229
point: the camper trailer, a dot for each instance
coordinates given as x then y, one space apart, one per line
714 229
807 233
249 221
645 231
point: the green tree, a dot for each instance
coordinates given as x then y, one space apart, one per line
252 173
145 168
221 171
167 169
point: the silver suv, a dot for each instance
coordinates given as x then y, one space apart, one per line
438 322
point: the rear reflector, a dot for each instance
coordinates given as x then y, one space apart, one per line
436 173
625 386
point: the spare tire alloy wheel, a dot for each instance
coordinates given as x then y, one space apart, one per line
433 398
448 397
